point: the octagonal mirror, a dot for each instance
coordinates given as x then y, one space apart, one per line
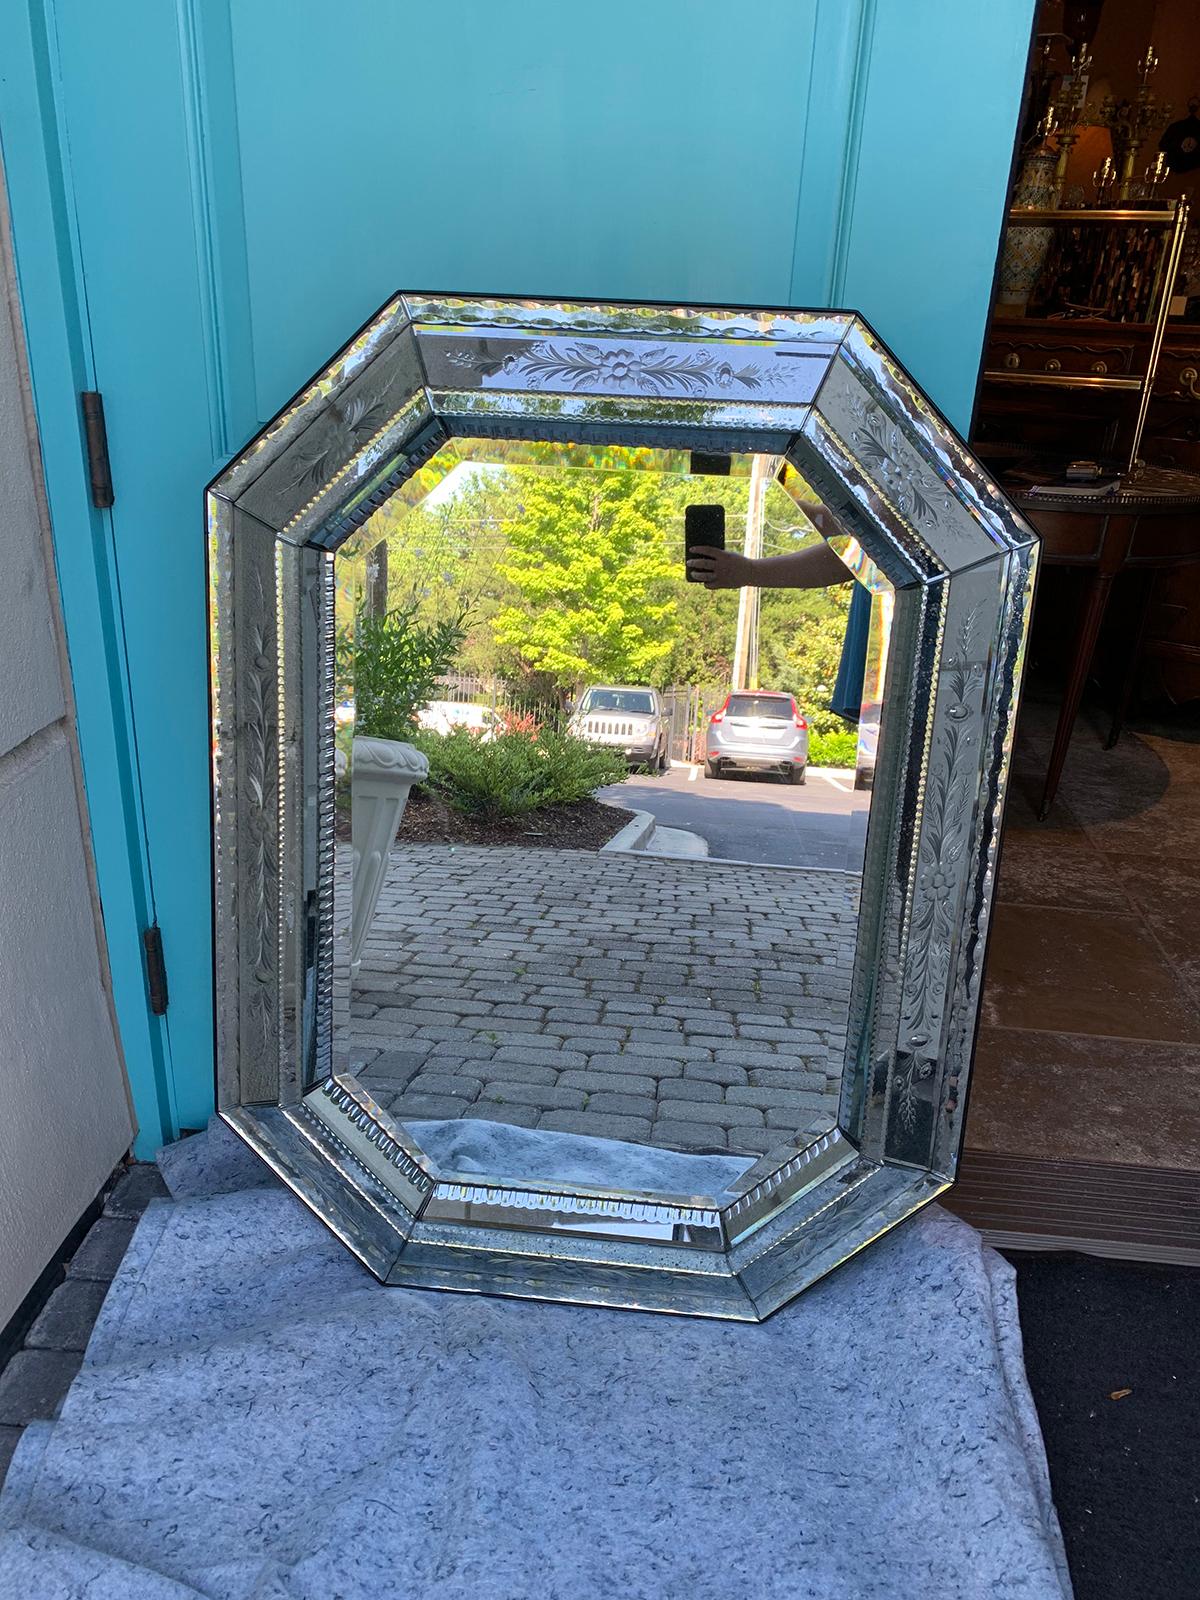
650 1077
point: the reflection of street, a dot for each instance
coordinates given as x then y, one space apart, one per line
758 817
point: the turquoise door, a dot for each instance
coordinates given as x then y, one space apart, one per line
207 197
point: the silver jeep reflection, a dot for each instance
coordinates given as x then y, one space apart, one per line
627 719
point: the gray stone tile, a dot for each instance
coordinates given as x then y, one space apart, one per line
671 1051
426 1107
445 1083
604 1082
721 1114
792 1118
631 1060
545 1096
447 1006
686 1088
527 1071
381 1027
134 1190
630 1007
799 1077
757 1141
680 1135
561 1059
652 1029
520 1039
622 1105
596 1125
400 1064
103 1249
34 1384
785 1099
461 1050
748 1056
586 1036
781 1035
65 1322
723 1072
701 1028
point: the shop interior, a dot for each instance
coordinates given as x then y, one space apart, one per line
1089 411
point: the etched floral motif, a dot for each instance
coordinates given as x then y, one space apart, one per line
657 370
944 840
343 428
883 447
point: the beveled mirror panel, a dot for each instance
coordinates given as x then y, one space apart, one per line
675 1082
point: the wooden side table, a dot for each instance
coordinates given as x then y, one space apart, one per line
1151 522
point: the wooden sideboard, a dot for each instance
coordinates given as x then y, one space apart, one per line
1060 412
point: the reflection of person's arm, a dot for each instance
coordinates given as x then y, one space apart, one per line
816 567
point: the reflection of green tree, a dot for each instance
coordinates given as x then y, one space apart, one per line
575 576
591 567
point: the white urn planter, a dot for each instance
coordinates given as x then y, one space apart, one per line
382 773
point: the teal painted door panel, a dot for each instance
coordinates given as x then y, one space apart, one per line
53 305
541 151
248 182
149 337
927 181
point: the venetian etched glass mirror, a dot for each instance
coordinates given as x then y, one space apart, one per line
680 1084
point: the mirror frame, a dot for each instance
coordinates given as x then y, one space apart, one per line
815 387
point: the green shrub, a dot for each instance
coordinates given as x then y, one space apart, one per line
836 749
390 665
515 772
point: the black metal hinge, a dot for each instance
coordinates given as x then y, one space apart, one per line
96 435
156 970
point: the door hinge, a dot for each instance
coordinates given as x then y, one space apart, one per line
96 435
156 970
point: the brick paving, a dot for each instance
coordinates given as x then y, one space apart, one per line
695 1005
35 1380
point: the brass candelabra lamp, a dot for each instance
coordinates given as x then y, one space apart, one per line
1131 121
1067 109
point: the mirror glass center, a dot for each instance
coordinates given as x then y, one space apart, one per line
528 990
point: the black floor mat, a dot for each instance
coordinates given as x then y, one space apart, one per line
1112 1349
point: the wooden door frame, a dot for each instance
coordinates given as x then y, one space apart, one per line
53 299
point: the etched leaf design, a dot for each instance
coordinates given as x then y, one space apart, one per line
576 364
345 427
883 448
943 843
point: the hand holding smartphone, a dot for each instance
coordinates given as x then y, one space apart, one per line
704 526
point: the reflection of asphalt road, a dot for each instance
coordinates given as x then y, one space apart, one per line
758 817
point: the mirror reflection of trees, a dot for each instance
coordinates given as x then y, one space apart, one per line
565 577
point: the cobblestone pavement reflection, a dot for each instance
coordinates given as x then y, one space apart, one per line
690 1004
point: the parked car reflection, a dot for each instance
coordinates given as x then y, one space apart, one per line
758 731
444 716
626 718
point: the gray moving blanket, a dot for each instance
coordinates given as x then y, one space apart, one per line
256 1417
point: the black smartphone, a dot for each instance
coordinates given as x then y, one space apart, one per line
702 525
